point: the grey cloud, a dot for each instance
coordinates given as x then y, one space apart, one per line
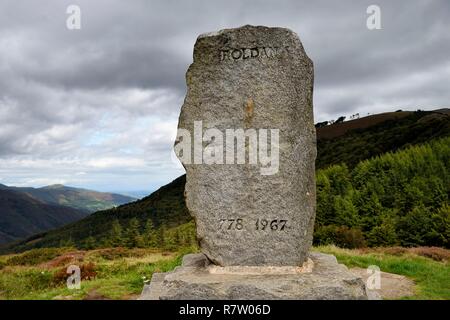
104 100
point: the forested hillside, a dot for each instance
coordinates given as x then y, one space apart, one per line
22 216
398 198
165 208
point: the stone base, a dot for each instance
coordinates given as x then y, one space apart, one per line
321 278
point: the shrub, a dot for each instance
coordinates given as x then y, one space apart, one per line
87 272
383 235
342 236
414 228
35 256
36 280
120 252
395 251
435 253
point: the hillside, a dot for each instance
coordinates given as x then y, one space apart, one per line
81 199
355 140
399 198
338 129
166 206
22 216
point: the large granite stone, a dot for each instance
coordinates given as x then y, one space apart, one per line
251 213
196 279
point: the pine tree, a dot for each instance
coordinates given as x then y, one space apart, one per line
169 239
150 234
68 243
116 238
133 237
176 237
413 229
345 211
384 234
89 243
161 236
105 242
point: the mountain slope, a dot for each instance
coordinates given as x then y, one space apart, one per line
166 206
353 141
81 199
22 215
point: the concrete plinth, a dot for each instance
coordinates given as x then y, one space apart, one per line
320 278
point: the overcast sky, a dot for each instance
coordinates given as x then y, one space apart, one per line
98 107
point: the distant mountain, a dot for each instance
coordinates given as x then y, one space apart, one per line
365 138
166 207
21 215
81 199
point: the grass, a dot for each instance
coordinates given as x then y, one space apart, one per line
120 273
431 277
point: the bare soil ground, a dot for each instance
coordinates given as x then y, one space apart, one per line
393 286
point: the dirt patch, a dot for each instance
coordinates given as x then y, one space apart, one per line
393 286
95 295
61 297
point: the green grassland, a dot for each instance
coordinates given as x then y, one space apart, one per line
120 273
116 273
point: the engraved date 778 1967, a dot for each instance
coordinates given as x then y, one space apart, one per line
259 224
